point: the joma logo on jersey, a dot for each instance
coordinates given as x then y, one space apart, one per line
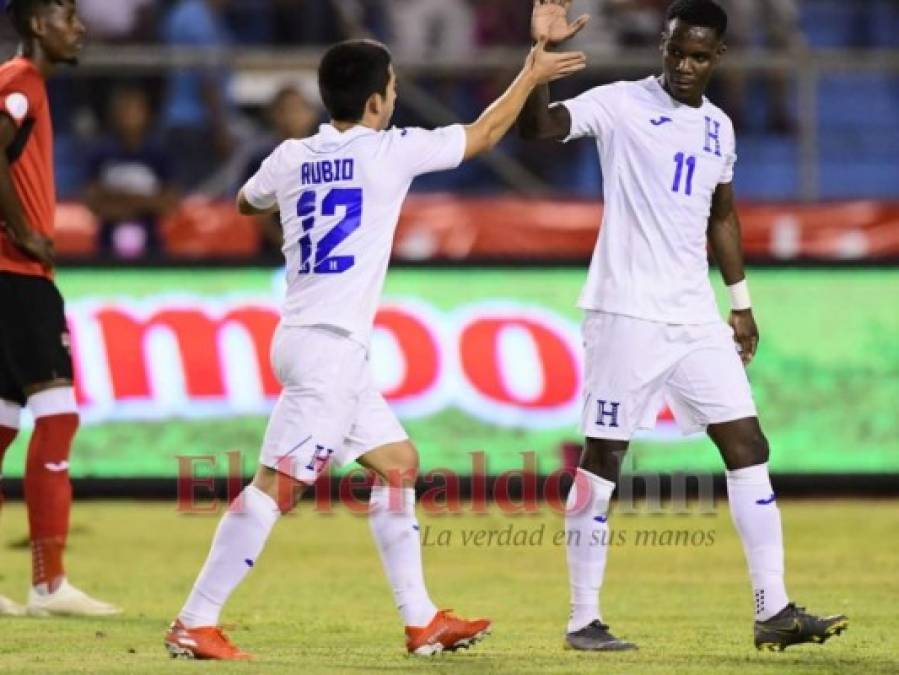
712 136
607 410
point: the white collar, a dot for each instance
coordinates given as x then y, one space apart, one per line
669 99
330 132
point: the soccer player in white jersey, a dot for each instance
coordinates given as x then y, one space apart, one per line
339 194
652 329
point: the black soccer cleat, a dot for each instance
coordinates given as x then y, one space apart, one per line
793 626
595 637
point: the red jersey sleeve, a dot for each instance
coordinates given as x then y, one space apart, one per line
22 94
23 99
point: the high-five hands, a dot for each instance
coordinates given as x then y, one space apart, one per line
547 66
549 22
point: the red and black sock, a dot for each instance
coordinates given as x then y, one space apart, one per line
48 495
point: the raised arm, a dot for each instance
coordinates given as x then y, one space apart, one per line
724 237
13 215
541 67
538 121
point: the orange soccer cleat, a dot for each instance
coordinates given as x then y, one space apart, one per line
446 632
204 642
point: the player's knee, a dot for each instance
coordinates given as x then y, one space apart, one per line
62 422
402 475
51 444
284 490
603 458
760 451
751 450
397 465
65 425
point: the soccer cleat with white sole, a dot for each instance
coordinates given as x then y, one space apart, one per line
67 601
202 642
445 633
10 607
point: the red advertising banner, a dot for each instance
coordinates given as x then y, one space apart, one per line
441 227
446 227
190 356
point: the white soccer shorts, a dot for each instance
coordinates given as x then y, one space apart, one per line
329 411
633 366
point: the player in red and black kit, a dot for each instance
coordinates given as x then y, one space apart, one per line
35 364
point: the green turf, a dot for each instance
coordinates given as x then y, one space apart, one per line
317 602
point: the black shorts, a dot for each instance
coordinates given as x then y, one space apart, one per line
34 337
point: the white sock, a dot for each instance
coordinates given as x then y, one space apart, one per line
238 541
586 543
393 525
757 519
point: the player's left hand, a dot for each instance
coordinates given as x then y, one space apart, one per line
549 21
746 333
38 247
550 66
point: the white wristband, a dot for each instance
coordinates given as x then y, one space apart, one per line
739 296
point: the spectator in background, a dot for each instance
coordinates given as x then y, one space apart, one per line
119 21
423 28
636 23
639 23
289 115
502 23
130 180
197 108
776 24
372 15
306 22
619 23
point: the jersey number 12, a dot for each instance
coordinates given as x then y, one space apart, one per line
323 262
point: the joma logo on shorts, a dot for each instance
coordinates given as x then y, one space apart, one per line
607 410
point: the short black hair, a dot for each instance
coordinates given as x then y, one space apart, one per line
21 11
704 13
349 73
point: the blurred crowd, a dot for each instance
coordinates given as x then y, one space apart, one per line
131 149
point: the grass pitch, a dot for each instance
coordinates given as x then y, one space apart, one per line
317 600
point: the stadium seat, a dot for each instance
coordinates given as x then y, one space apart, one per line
767 167
829 23
76 231
203 228
69 166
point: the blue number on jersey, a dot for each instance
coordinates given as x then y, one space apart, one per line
680 159
325 263
306 211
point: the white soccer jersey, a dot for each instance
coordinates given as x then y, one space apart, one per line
661 162
340 196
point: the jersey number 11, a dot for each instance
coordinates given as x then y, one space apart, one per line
680 159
